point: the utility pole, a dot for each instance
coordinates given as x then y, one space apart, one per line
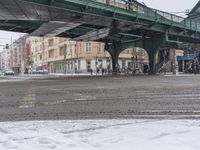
65 59
43 57
11 53
195 63
77 56
175 65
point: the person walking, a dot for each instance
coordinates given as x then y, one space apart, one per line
105 71
91 71
97 70
102 71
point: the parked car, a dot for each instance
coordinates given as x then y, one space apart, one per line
34 72
41 72
9 72
45 71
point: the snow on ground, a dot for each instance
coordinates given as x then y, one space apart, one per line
101 135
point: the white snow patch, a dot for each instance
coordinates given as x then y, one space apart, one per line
101 135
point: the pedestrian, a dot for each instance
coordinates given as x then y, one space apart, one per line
75 70
105 71
102 71
91 71
108 69
97 70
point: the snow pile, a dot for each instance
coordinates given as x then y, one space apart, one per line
101 135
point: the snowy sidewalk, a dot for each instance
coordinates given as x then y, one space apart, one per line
101 135
71 74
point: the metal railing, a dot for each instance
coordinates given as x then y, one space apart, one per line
153 14
160 66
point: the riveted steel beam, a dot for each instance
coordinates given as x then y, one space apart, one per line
94 35
54 28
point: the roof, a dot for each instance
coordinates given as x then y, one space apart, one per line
195 8
195 12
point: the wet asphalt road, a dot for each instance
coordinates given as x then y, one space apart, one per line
100 98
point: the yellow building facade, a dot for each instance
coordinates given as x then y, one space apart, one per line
61 55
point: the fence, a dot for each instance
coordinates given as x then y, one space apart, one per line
153 14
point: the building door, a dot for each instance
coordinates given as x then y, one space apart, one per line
79 65
88 62
51 68
123 64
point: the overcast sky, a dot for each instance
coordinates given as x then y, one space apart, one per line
5 37
171 5
165 5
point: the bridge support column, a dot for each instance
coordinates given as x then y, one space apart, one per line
115 65
114 50
152 45
152 63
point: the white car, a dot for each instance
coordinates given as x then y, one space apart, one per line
42 71
9 72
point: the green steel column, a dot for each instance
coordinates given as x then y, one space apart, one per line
115 62
114 50
115 55
65 59
152 62
151 45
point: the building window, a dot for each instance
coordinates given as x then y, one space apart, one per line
71 48
61 40
41 47
51 53
50 42
80 48
45 55
56 54
62 51
88 48
36 49
76 48
40 56
99 48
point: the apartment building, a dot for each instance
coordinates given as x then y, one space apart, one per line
3 62
5 58
61 55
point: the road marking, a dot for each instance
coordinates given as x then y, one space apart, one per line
55 102
85 98
29 99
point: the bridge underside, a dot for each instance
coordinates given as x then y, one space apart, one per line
93 21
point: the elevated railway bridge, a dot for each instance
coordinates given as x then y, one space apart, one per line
120 24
